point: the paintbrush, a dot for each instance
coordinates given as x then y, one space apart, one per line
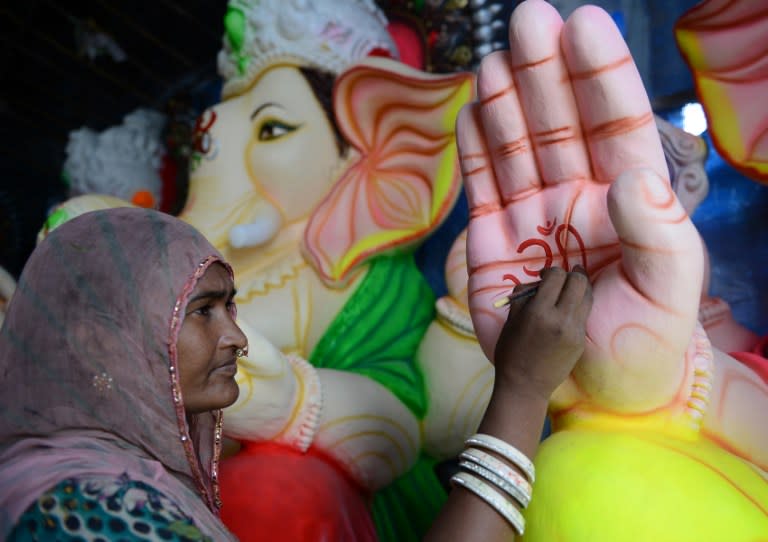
529 292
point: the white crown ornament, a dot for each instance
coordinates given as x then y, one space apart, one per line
326 34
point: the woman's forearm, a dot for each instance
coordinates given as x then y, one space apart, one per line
515 416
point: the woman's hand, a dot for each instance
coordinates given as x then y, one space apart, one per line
544 335
539 344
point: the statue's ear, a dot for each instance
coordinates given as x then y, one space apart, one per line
406 180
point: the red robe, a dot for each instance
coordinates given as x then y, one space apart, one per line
274 493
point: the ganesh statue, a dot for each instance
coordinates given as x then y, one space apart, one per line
329 161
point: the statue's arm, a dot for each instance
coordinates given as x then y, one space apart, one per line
737 407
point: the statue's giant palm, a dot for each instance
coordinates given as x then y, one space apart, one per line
563 165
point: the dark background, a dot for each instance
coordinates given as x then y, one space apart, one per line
50 87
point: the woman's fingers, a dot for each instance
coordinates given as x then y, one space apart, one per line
552 281
564 292
576 295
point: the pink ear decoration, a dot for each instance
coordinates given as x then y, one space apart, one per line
406 179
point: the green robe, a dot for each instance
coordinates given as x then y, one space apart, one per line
377 333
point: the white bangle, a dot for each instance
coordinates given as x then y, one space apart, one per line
496 465
507 451
493 498
512 489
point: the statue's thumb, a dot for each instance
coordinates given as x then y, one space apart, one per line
662 254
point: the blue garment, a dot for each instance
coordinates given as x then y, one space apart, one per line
104 509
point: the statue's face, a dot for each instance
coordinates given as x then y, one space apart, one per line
272 180
273 158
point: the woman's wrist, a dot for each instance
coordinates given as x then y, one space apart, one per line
516 415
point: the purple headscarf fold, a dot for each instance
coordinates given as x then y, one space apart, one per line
88 375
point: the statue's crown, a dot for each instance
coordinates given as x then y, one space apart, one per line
326 34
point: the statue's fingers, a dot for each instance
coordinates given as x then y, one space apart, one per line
476 168
545 94
615 113
486 288
505 128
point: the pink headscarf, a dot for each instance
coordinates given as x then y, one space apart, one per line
88 368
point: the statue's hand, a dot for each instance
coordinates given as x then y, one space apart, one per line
563 166
279 396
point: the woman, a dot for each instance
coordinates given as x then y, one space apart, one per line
118 351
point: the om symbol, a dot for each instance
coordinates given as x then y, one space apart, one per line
562 235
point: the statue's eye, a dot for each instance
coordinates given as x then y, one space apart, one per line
272 129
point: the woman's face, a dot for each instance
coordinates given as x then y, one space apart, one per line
207 343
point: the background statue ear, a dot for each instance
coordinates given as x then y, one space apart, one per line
406 178
718 45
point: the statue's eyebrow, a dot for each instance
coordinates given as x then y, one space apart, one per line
263 106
